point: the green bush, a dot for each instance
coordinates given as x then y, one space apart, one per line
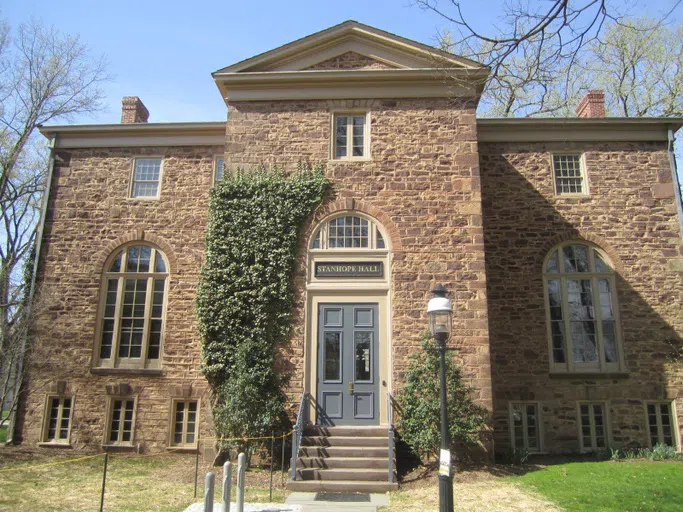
245 294
420 404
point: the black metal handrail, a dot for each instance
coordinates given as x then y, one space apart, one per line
298 432
390 421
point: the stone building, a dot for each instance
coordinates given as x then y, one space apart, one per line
559 240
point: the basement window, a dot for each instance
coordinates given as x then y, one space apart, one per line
661 423
58 419
184 424
525 430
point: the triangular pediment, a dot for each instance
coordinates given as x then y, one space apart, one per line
350 46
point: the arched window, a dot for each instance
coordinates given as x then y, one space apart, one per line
348 232
582 313
132 313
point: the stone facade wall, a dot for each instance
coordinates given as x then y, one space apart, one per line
349 60
90 214
422 177
630 214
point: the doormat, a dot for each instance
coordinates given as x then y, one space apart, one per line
342 496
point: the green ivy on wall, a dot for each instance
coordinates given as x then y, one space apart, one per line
245 295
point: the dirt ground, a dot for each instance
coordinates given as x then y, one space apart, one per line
475 489
163 482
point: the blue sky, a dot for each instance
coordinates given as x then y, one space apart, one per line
165 51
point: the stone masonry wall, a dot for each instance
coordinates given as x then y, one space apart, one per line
421 182
632 216
89 215
349 60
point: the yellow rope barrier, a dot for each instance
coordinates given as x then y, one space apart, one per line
169 450
51 463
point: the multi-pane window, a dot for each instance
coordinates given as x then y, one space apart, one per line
184 423
350 136
133 308
121 421
146 177
593 425
218 165
58 419
348 232
525 430
569 174
581 306
660 424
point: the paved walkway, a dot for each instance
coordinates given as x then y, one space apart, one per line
304 502
308 503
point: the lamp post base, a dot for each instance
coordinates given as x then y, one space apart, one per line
445 494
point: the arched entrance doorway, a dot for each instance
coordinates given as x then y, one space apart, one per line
348 364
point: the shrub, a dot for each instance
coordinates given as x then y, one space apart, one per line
517 456
419 400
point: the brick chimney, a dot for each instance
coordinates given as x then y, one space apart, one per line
592 104
133 110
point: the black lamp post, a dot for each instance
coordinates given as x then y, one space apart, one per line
440 311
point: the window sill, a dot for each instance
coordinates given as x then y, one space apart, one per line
119 447
572 196
182 449
589 375
144 198
49 444
349 160
127 371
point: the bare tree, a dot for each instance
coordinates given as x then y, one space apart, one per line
44 76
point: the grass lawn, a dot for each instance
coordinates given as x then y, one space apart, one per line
134 483
3 434
614 486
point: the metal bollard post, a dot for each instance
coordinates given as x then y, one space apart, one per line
208 492
227 483
241 469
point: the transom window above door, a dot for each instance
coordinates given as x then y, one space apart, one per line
348 232
582 312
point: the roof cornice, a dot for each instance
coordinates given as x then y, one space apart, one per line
136 134
602 129
351 84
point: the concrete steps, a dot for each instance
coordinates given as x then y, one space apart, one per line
343 459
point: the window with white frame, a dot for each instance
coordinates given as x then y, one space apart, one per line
218 166
184 423
593 426
581 308
660 423
132 313
146 177
569 174
58 419
348 232
121 424
351 136
525 430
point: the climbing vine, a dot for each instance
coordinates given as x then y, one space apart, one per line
246 294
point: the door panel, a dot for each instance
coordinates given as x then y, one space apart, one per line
348 366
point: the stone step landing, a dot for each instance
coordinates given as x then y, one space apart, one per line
343 459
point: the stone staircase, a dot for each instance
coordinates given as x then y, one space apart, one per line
343 459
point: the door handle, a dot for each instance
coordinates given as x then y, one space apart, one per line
350 388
